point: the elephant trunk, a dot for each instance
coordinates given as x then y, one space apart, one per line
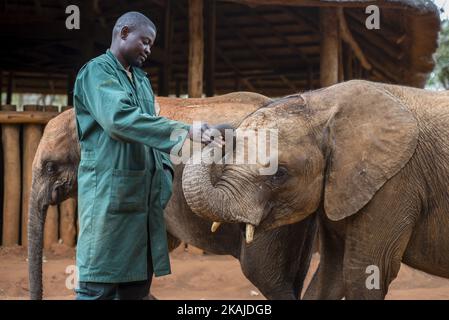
36 220
229 200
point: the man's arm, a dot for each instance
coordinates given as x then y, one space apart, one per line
110 105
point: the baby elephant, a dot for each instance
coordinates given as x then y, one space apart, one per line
370 160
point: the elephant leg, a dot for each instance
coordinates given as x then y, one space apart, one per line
376 239
275 261
306 256
369 276
173 242
327 282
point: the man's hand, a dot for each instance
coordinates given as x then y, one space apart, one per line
214 135
196 136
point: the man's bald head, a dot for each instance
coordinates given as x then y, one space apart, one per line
132 20
132 38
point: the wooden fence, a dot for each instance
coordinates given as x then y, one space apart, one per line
21 133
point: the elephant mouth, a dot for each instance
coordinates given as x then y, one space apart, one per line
55 196
60 192
266 223
247 229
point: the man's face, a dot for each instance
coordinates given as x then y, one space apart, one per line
136 44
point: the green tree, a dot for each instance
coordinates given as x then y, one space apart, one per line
439 78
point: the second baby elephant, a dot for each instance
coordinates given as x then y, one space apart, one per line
276 263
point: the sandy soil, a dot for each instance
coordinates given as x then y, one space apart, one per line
195 276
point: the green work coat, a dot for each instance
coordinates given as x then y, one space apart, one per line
122 185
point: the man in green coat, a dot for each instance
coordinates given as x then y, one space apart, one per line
125 175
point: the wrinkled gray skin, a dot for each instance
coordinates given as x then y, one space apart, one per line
371 160
276 269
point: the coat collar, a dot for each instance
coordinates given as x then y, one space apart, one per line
139 74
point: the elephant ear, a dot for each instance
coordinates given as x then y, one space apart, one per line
371 135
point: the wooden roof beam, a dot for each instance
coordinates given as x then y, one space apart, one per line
273 30
257 51
297 15
38 7
391 49
160 3
389 66
379 74
233 67
346 35
386 32
266 73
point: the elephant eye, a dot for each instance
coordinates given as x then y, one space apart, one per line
50 167
280 176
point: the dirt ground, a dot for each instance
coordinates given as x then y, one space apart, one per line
194 276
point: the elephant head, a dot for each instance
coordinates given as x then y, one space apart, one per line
336 147
55 169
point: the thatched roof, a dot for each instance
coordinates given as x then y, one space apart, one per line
421 5
409 27
268 46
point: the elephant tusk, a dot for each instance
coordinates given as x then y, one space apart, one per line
215 226
249 233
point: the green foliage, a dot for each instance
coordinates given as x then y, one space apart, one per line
439 78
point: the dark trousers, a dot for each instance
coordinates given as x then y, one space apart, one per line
135 290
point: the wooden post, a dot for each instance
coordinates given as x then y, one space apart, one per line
329 61
9 90
1 86
67 212
67 227
11 181
52 220
32 134
178 87
165 68
211 21
196 49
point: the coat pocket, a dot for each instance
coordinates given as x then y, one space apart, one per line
87 190
128 190
167 187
